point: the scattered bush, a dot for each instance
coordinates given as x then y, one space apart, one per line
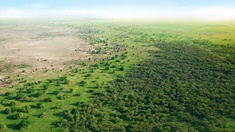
42 115
30 90
84 64
49 99
38 94
40 105
71 90
23 124
8 110
83 83
61 96
2 126
77 94
19 116
10 94
13 103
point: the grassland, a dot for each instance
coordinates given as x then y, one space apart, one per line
118 75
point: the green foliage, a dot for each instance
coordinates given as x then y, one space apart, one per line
48 99
2 126
19 116
30 90
84 64
22 97
77 94
56 92
167 92
13 103
151 76
26 109
8 110
83 83
23 66
71 90
42 115
38 94
62 96
40 105
10 94
23 124
121 68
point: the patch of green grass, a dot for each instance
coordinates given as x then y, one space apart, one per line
23 66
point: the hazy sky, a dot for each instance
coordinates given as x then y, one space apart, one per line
203 9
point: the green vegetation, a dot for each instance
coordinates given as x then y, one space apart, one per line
145 76
23 66
2 126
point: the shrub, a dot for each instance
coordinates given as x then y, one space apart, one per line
23 124
13 103
83 83
32 99
8 110
49 99
2 126
26 109
71 90
57 106
19 116
88 75
21 97
96 65
56 92
10 94
77 94
30 90
84 64
45 87
40 105
106 68
38 94
98 85
62 96
42 115
121 68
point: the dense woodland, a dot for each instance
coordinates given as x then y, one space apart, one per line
181 87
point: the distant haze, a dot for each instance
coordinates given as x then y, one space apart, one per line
197 9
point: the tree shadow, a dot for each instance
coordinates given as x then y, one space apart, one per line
58 114
11 117
2 112
33 106
9 97
12 126
90 91
76 104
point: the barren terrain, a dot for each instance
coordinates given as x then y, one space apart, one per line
38 46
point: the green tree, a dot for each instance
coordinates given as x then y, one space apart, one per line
23 124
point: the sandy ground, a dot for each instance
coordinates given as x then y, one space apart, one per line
40 45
